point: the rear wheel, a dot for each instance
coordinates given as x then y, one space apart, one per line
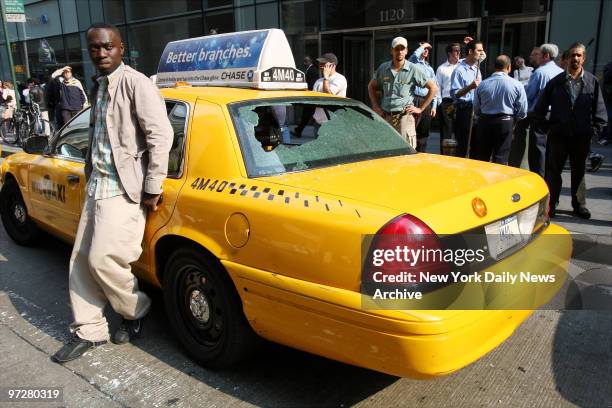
14 214
205 310
7 131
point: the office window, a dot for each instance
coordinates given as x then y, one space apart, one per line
217 3
267 15
300 16
245 18
141 9
113 11
220 21
148 40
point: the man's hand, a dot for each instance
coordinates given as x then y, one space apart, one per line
327 70
433 113
414 110
151 201
475 84
426 45
467 39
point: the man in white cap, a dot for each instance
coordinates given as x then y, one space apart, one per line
394 80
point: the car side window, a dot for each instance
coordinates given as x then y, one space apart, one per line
73 140
177 114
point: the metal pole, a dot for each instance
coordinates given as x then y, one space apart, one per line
10 54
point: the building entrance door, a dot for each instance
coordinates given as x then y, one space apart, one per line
357 50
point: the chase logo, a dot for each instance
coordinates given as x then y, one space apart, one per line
250 75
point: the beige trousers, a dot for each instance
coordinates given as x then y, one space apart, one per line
406 128
108 239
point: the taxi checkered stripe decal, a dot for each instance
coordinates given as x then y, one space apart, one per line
220 186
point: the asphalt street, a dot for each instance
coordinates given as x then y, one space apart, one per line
555 359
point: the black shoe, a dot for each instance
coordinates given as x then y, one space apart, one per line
596 160
582 212
74 349
128 330
553 212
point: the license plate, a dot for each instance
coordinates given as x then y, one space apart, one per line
503 235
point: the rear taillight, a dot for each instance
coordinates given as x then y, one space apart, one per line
416 250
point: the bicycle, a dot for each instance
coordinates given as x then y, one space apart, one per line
25 123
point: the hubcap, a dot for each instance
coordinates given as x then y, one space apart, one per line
198 304
19 213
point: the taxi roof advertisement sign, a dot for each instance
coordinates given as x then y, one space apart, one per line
258 59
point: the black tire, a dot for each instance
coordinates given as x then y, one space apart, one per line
7 131
205 310
14 214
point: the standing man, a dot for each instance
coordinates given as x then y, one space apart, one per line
577 114
312 74
464 80
547 70
420 57
522 73
443 76
129 140
72 95
37 96
499 101
395 80
331 82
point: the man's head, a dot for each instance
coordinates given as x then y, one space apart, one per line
549 53
67 73
475 50
503 64
31 83
105 47
535 58
576 56
453 52
328 58
399 49
519 62
307 61
426 51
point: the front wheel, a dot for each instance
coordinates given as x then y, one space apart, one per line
205 310
14 214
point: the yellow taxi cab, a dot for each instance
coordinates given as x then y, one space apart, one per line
266 234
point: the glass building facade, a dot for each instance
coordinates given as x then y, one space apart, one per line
358 31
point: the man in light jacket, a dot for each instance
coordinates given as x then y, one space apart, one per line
129 141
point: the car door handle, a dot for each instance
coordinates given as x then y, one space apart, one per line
72 179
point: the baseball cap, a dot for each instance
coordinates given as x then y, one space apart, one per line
399 41
328 57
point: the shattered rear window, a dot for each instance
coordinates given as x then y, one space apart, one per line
296 134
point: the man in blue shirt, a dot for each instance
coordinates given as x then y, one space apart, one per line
464 80
544 58
499 100
419 57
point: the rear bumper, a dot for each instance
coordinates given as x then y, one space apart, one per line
328 321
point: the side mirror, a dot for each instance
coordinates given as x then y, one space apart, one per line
36 145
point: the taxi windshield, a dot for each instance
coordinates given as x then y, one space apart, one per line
296 134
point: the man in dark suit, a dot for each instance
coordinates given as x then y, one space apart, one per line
312 74
577 114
